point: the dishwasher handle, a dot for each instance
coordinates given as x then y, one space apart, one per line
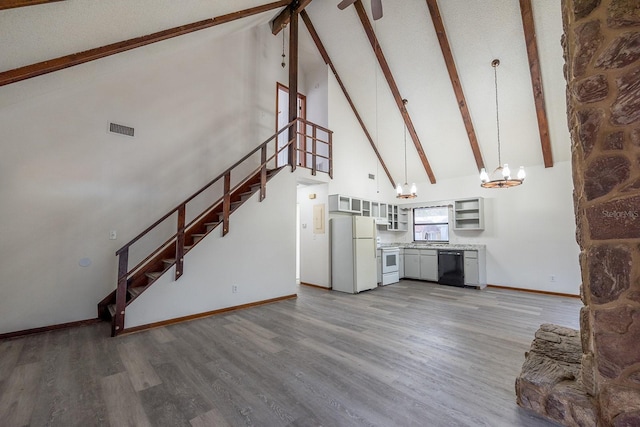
450 253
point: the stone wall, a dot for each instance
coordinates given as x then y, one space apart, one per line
602 67
550 383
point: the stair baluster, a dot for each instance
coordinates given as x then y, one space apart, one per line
314 161
226 203
263 173
121 294
180 241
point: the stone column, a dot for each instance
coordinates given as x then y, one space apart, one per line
602 68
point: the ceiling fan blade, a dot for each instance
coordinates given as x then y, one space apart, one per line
376 9
344 3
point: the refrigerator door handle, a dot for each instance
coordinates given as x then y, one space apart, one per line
375 241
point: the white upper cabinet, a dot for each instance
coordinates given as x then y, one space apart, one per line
468 214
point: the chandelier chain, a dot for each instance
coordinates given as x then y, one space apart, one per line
495 78
283 55
375 69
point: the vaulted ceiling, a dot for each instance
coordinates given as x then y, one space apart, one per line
477 31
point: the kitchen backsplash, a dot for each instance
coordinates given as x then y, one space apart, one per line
406 237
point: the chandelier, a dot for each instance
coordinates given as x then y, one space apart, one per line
501 176
404 191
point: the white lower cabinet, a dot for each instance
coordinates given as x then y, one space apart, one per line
422 264
429 265
471 271
412 263
475 268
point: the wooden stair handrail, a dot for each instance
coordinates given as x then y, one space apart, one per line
195 220
172 238
206 186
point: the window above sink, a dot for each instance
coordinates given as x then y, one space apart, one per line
431 224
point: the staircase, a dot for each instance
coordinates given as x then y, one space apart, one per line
133 282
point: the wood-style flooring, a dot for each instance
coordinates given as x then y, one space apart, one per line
408 354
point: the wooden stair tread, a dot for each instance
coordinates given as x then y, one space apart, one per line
134 292
154 275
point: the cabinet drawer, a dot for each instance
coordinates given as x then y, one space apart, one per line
408 251
471 254
429 252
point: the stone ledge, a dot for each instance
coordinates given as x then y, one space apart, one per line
550 382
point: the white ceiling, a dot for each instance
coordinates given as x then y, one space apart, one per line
478 31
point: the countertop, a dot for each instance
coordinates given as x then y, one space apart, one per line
462 247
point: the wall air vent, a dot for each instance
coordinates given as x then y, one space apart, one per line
121 129
372 176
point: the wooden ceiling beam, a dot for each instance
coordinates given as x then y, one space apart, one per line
434 11
327 60
10 4
536 80
293 87
386 71
40 68
281 21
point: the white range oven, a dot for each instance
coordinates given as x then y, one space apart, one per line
390 265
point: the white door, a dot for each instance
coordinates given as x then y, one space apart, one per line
364 227
365 264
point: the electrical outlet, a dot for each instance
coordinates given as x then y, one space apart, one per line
552 278
234 289
113 235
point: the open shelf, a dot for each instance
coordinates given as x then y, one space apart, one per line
468 214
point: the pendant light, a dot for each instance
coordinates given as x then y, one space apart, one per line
502 174
404 191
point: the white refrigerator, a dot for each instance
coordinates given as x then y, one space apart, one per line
353 254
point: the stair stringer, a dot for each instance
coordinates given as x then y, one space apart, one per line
257 256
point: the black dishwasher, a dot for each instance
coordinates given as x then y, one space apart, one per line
451 267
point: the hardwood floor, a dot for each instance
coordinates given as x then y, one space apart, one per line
408 354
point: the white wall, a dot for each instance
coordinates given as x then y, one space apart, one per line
314 247
257 256
354 158
316 89
197 103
